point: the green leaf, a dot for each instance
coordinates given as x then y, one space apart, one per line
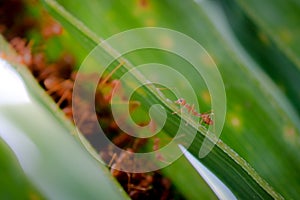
41 137
14 184
260 32
269 32
261 126
187 180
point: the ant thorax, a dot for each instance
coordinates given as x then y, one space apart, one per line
205 117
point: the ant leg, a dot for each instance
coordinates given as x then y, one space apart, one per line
208 112
156 144
128 182
62 98
214 124
133 104
115 84
53 89
102 83
158 156
53 84
201 120
152 126
81 119
112 159
176 112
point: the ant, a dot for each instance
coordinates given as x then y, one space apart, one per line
63 88
51 28
205 117
23 50
156 145
132 186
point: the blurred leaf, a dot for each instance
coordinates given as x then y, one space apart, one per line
269 31
14 184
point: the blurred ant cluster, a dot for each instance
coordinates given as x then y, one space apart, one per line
57 78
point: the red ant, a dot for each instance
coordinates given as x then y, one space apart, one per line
51 28
63 88
205 117
126 158
159 155
23 50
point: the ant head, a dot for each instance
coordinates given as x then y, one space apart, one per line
180 101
